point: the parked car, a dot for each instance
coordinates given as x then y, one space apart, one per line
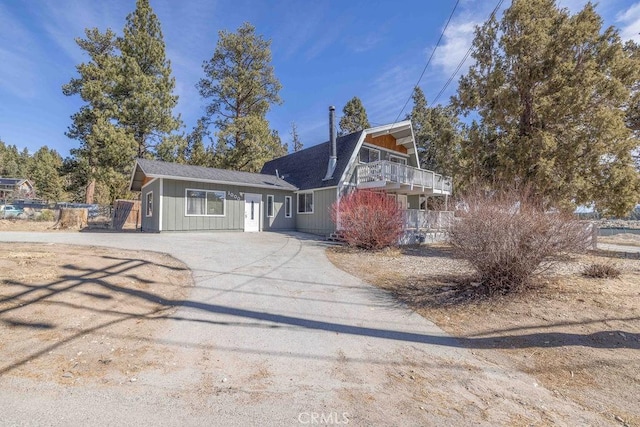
10 211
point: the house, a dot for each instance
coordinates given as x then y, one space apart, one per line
294 192
16 188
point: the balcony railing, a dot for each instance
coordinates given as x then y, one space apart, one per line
385 171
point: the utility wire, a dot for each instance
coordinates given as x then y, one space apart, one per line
464 59
429 60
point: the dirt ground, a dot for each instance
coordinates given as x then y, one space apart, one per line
71 314
579 337
16 224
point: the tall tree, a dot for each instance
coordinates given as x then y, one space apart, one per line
145 86
127 89
551 90
45 174
354 117
241 87
13 163
437 131
104 146
296 144
197 153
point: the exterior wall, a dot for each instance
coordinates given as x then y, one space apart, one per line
386 141
279 221
174 216
150 223
318 222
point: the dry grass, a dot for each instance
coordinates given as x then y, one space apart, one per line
601 271
579 337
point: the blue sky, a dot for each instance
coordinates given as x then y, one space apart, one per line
324 53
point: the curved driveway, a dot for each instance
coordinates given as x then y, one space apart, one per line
273 334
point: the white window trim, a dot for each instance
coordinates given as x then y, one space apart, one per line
313 203
393 156
146 204
186 205
273 206
290 213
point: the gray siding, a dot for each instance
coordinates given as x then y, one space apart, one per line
319 222
278 221
150 223
174 216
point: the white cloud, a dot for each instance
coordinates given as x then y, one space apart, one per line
630 23
457 41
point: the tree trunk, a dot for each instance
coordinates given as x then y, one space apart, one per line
72 218
90 191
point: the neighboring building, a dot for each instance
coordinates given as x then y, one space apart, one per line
294 192
16 188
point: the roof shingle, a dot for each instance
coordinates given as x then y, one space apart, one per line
307 168
156 168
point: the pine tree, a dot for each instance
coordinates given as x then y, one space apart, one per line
145 87
127 89
437 131
197 154
45 174
354 117
105 147
550 90
296 144
241 86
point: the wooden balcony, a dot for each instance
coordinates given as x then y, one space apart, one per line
402 179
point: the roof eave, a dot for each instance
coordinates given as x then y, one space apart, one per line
289 187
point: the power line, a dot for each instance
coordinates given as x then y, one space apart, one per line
429 60
464 59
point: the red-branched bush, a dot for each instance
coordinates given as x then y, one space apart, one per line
507 237
368 220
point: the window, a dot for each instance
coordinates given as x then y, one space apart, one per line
205 202
287 206
269 206
305 203
399 160
150 203
368 155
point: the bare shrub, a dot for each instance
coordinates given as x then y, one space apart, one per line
507 237
601 271
368 220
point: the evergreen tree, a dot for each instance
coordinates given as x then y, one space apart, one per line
45 174
197 154
551 90
295 138
354 117
145 86
437 131
13 163
241 86
105 147
127 89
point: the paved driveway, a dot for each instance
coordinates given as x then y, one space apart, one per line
273 334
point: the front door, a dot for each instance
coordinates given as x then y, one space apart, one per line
252 212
